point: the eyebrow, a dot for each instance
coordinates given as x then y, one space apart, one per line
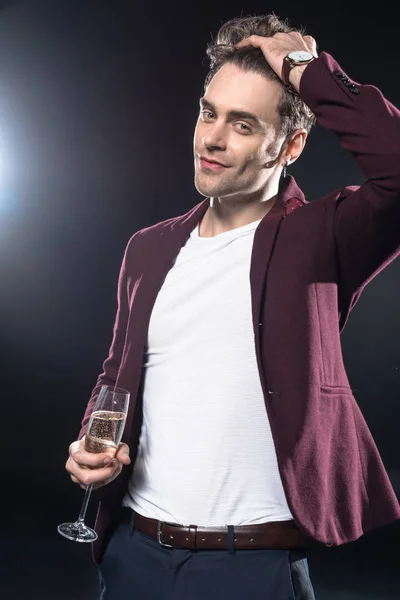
233 114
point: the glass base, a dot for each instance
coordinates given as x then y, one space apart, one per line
77 532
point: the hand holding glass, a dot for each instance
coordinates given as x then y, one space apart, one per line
104 433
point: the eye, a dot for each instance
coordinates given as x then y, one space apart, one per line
206 115
244 127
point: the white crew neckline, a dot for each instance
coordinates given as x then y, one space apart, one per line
226 234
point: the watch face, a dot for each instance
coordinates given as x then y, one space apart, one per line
300 56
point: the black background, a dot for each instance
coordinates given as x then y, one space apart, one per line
98 102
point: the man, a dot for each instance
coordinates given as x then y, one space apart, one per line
247 439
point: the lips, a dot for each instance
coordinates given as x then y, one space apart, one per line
211 160
210 164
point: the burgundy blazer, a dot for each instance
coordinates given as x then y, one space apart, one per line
309 265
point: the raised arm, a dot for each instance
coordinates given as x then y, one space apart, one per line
366 218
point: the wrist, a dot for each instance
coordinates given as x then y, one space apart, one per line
296 74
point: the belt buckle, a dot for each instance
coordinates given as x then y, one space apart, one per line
159 531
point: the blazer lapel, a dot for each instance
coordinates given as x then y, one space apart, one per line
159 255
288 199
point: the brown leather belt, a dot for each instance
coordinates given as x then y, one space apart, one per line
282 535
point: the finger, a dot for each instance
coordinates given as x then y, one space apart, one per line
123 454
253 40
97 476
83 486
75 480
78 470
311 43
91 459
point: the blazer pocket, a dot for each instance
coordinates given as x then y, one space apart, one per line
334 390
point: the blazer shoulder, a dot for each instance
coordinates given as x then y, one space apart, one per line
347 191
331 199
148 235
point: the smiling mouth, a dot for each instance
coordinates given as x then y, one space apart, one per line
211 166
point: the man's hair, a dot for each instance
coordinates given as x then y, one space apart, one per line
294 113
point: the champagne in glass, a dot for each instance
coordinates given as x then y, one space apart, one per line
104 433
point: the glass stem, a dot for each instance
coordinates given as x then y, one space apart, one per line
85 502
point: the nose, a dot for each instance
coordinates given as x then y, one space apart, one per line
214 138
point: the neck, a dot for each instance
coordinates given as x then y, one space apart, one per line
231 212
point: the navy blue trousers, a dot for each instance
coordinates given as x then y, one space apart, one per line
136 567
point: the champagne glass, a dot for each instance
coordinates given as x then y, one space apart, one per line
104 433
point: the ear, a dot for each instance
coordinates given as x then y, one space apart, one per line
293 147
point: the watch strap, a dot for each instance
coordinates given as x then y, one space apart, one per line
286 68
288 65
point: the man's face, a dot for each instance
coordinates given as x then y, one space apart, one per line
237 126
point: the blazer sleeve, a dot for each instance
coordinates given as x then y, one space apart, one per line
112 364
366 219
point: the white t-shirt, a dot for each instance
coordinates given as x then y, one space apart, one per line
206 454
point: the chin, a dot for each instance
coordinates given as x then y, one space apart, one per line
203 190
208 189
